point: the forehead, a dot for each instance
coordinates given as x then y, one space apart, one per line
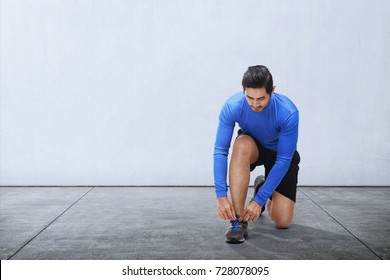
256 92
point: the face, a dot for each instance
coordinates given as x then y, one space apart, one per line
257 98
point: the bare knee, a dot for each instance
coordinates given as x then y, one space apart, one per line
281 210
244 146
281 221
243 143
282 224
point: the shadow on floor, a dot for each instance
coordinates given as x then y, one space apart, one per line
301 242
119 223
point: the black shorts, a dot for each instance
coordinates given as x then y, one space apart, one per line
267 157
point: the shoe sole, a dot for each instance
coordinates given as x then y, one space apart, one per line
235 240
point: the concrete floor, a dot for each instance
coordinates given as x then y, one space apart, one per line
119 223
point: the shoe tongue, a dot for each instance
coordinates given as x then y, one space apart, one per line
235 224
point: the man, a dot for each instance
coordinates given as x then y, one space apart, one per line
268 136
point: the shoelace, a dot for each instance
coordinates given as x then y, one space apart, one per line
235 225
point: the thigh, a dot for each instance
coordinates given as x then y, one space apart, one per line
288 185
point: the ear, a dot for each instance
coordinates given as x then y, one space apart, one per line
273 88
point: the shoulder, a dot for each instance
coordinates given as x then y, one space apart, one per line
288 114
234 103
285 106
236 99
231 109
285 103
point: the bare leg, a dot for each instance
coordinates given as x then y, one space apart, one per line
281 210
245 152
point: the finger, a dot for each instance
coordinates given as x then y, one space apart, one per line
224 216
233 213
220 215
246 216
230 214
243 215
254 218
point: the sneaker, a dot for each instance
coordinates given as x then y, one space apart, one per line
237 232
259 181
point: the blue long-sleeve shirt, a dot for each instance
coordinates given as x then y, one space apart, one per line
275 127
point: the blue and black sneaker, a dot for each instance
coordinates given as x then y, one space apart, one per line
259 182
237 232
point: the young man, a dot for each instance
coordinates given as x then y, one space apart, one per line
268 136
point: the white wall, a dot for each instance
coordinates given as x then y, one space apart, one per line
123 92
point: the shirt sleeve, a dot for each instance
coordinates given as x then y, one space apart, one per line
287 145
221 149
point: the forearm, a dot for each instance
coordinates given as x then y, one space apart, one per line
275 176
221 151
220 174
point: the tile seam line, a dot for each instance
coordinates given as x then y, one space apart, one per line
66 210
341 225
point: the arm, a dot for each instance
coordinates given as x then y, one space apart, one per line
225 209
286 147
221 150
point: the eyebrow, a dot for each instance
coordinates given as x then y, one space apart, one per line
253 97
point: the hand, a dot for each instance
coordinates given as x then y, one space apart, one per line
225 209
251 212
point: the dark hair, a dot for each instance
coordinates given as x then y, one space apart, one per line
258 77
